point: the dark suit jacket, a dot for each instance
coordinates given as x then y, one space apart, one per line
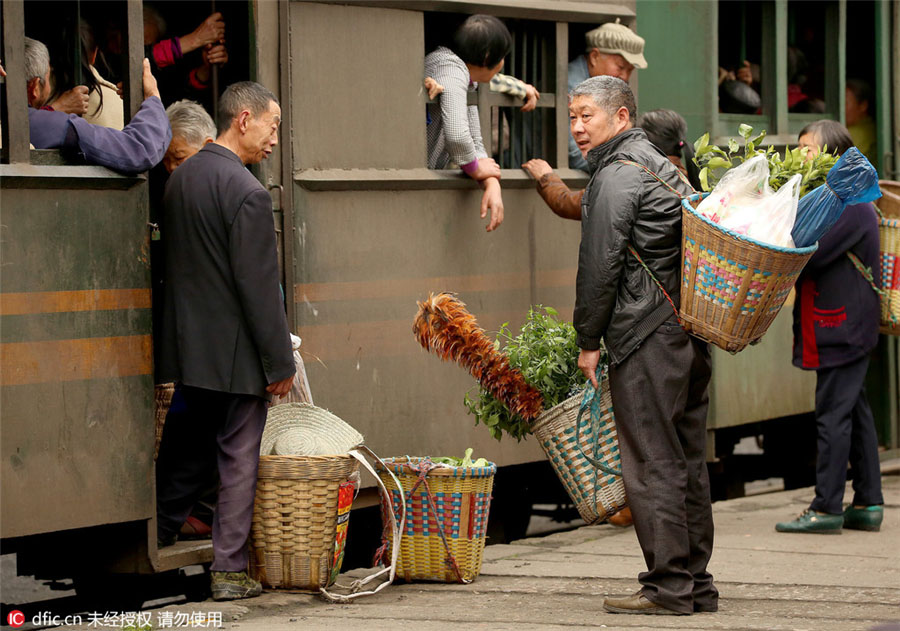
224 325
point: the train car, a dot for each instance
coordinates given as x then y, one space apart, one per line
365 230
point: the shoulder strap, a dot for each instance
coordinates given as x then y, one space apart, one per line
659 179
397 532
631 247
866 273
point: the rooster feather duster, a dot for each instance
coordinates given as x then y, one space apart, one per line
444 327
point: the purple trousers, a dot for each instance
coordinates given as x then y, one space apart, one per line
207 430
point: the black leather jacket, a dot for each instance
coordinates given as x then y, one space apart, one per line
616 299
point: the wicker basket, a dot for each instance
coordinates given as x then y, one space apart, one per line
889 231
163 399
459 505
597 494
295 517
732 286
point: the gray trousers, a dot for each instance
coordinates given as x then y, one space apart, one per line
660 398
206 430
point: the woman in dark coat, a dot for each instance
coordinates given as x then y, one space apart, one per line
836 315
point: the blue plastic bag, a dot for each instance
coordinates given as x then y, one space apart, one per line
852 180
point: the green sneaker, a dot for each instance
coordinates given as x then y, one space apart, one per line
813 522
866 518
233 585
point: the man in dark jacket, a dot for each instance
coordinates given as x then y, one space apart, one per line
658 374
225 335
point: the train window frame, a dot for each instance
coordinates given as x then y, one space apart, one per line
17 152
503 125
559 17
783 126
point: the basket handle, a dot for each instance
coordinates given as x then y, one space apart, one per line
586 405
360 452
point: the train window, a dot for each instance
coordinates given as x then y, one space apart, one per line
511 136
740 57
86 42
519 136
806 57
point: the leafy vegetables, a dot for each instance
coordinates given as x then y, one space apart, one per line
714 161
465 461
547 355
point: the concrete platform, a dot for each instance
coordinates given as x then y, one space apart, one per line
768 581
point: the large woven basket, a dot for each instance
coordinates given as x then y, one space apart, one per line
459 505
732 286
889 231
295 516
597 494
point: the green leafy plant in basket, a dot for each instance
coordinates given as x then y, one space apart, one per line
547 355
714 161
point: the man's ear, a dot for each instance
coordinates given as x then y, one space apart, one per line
244 120
208 140
33 89
622 116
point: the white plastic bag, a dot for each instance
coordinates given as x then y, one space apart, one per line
299 392
743 202
742 186
772 218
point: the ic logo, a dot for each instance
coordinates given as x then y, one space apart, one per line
15 618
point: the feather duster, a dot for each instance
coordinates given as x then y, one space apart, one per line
444 327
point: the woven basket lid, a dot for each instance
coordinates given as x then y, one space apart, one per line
302 429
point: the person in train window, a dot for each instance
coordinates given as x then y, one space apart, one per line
836 313
134 149
453 127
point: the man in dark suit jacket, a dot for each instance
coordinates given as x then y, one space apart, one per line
225 338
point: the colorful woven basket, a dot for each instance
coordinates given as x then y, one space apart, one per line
295 520
889 231
732 286
446 518
570 442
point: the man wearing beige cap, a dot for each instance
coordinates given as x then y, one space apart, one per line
612 49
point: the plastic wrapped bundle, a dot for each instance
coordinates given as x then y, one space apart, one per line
852 180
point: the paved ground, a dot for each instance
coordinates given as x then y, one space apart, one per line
768 581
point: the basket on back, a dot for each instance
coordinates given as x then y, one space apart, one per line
889 232
732 286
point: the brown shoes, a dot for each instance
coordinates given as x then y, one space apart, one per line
637 603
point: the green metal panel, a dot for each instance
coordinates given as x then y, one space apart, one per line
76 388
681 57
883 86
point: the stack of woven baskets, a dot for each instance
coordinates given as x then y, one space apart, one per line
303 495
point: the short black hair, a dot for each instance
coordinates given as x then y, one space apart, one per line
482 40
829 133
666 129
